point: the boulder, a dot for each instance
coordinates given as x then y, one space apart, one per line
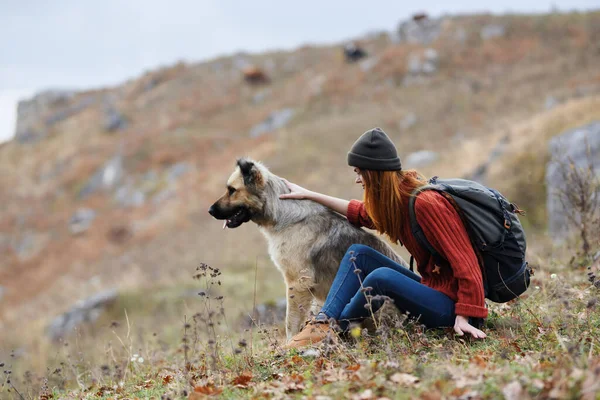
261 96
163 196
30 113
492 31
129 196
66 112
114 120
422 63
29 244
420 31
81 220
551 102
277 119
105 177
84 312
175 171
368 64
421 158
408 121
480 173
564 148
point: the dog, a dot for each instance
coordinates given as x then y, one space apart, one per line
306 240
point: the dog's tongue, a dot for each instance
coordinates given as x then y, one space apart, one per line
225 223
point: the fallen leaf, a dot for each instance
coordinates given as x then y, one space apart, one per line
354 367
242 380
404 379
209 390
167 379
480 361
297 360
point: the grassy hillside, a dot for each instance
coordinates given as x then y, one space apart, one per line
524 86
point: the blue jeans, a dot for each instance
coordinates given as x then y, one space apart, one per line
345 302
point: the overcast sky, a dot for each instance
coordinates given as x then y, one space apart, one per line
81 44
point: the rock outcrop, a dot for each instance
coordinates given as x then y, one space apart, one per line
571 146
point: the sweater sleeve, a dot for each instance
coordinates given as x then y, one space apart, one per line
446 232
357 215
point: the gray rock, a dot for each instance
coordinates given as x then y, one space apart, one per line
408 121
22 247
114 120
163 196
421 158
461 35
480 173
270 65
28 244
570 145
84 312
29 124
492 31
423 31
105 177
129 196
176 171
81 220
261 96
551 102
429 68
423 64
150 176
69 111
431 55
276 120
5 240
30 135
368 64
414 65
268 313
240 62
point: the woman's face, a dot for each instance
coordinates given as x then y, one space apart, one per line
358 179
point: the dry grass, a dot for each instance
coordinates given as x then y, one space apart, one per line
192 345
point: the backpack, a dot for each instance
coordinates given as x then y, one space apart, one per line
495 232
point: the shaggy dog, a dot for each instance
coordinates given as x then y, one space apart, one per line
307 240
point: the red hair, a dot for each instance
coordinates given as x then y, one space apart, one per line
386 195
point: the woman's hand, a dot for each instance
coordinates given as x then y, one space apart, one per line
462 326
297 192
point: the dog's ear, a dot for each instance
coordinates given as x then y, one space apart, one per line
249 171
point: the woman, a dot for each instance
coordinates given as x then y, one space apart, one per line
445 295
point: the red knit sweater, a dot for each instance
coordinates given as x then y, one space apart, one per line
460 279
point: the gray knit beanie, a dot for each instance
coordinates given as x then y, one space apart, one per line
374 150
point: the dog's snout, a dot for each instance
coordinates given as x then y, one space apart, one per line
211 210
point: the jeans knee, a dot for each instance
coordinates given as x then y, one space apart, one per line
358 249
381 278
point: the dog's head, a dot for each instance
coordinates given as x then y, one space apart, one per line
242 199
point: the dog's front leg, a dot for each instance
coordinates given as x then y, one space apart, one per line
298 306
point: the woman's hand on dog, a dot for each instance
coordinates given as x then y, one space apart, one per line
296 192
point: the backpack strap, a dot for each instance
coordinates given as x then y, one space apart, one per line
416 228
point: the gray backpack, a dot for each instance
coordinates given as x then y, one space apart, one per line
494 230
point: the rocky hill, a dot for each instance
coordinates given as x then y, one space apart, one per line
109 188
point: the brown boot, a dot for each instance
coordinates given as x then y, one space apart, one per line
313 332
